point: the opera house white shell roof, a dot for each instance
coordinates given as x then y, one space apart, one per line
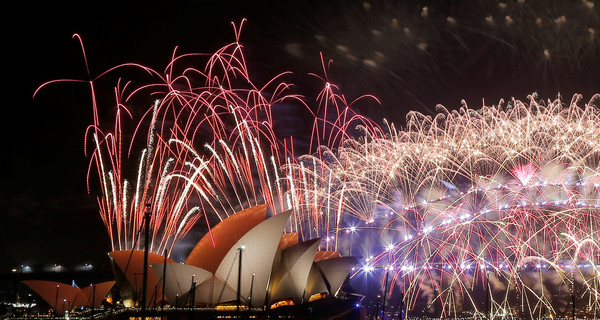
290 276
274 266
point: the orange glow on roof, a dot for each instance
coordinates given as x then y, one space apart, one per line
288 240
207 255
62 296
324 255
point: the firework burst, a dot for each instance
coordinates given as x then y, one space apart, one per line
210 136
505 190
504 198
205 147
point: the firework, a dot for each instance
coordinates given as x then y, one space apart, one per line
465 197
206 146
445 206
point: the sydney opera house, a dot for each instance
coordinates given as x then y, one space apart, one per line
245 263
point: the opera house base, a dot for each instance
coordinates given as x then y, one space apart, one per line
324 309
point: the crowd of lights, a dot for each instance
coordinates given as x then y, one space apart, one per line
52 268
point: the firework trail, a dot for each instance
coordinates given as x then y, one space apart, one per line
205 147
446 204
209 135
506 189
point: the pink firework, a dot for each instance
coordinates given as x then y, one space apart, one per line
204 146
524 172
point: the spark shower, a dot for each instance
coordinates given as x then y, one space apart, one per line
502 200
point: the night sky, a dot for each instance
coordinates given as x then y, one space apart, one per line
410 57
